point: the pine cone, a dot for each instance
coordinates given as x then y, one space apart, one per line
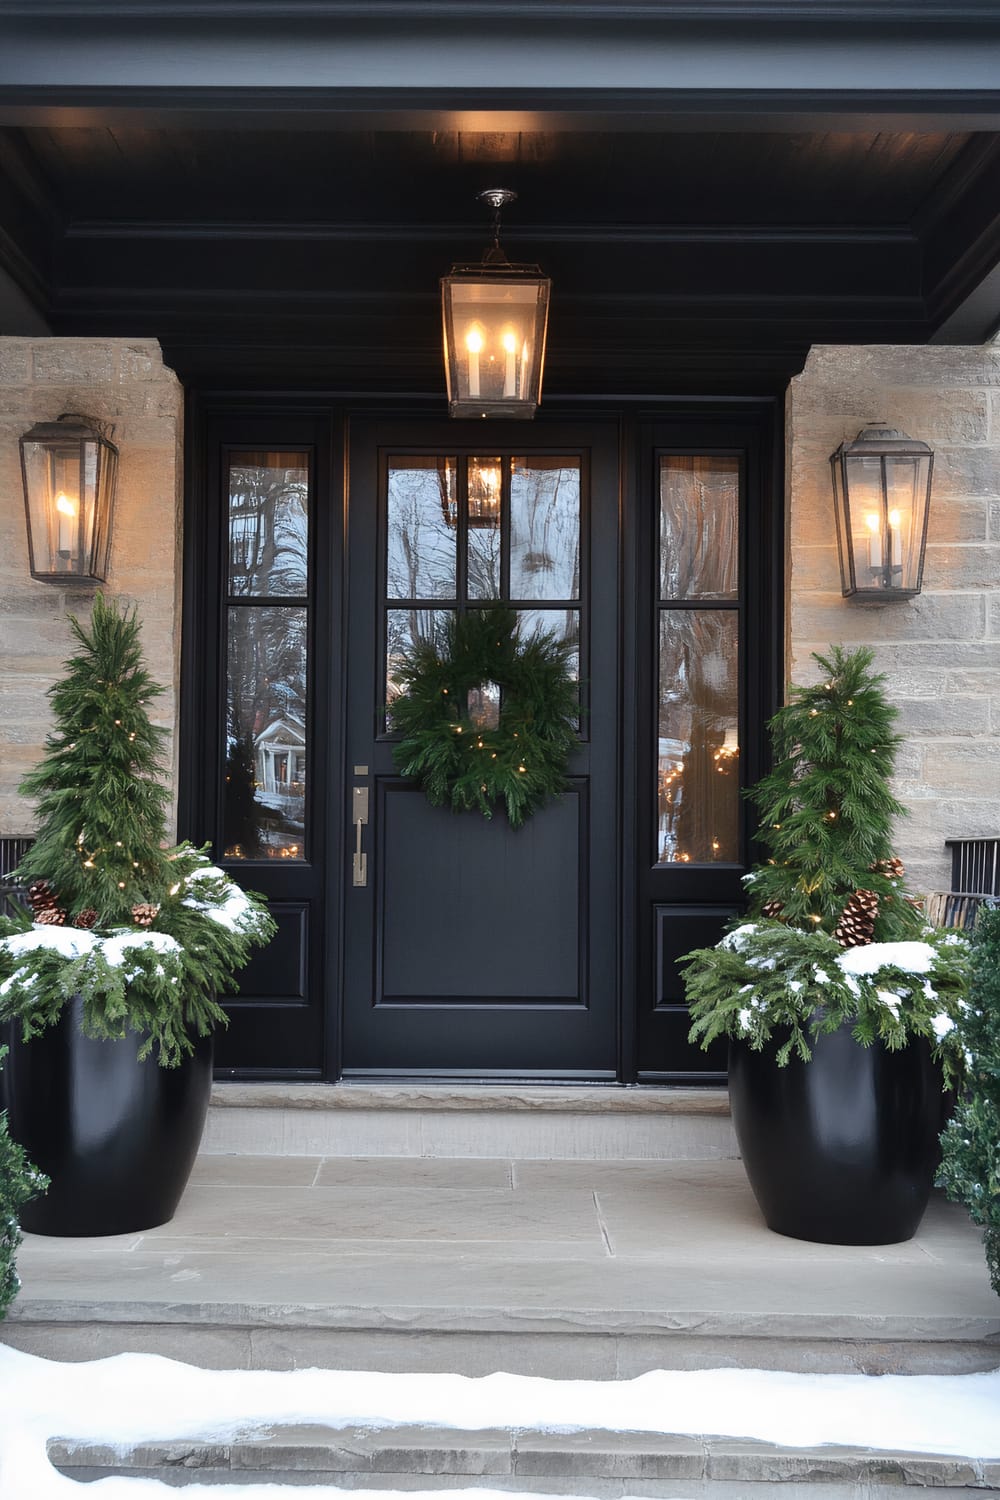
51 917
772 909
892 867
41 897
856 927
85 918
145 913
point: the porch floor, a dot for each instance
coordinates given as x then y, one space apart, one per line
601 1269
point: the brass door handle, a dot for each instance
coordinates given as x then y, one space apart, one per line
360 814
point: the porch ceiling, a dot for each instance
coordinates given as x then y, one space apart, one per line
697 237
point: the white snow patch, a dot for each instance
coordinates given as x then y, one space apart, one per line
71 942
138 1398
912 958
116 949
737 939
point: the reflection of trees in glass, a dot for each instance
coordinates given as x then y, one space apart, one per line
545 529
240 830
420 562
267 688
268 529
404 629
699 510
697 765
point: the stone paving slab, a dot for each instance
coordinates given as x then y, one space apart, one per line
342 1456
597 1268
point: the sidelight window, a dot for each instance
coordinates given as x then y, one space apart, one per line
267 631
698 757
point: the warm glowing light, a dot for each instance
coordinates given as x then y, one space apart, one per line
474 339
873 522
509 341
65 506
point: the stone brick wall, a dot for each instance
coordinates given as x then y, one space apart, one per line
940 652
124 382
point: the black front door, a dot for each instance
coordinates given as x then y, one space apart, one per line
459 947
472 949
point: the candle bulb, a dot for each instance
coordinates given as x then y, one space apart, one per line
874 525
895 539
67 524
509 341
474 344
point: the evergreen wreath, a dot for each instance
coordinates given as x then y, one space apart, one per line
459 761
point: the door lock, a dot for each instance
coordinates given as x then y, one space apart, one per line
360 815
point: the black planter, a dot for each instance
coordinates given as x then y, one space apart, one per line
118 1137
842 1149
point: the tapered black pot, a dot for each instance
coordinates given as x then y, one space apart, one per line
118 1137
842 1149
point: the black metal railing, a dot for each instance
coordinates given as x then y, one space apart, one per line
12 851
975 879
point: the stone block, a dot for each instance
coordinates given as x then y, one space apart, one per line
139 361
967 770
993 518
815 569
993 617
958 518
80 362
959 714
930 616
15 362
966 471
962 567
608 1455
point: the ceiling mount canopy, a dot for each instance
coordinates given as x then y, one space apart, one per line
495 315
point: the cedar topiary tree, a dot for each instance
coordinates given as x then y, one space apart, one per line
19 1181
100 809
970 1166
826 810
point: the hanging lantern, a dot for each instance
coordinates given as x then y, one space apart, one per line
495 315
69 468
882 493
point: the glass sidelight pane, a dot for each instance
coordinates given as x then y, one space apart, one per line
698 748
545 528
699 527
404 629
421 528
265 775
268 522
485 490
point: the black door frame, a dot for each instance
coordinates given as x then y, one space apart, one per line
759 416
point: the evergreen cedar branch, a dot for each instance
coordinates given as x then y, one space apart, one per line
523 762
826 815
100 846
970 1164
19 1181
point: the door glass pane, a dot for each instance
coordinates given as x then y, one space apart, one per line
564 624
485 491
422 528
268 522
699 527
265 775
698 747
545 528
405 628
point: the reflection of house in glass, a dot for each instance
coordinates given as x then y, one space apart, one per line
280 773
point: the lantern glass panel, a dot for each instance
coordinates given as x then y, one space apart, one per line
494 331
69 484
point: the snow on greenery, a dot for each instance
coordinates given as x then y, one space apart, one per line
133 1399
162 930
970 1166
160 981
765 976
19 1182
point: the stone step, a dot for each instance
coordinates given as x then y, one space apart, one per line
586 1123
591 1463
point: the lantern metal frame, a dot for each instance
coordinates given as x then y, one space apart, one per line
519 292
895 565
72 460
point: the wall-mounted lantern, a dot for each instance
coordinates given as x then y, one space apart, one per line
495 315
882 493
69 468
